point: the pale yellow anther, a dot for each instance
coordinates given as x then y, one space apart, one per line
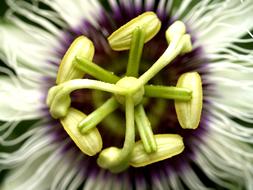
175 31
89 143
168 145
121 38
189 112
81 47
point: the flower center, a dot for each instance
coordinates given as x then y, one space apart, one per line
136 90
129 91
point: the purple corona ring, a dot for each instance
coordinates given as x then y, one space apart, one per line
217 151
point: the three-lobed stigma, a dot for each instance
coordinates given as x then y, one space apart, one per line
128 93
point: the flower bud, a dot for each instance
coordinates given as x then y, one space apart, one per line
189 112
81 47
168 145
89 143
121 38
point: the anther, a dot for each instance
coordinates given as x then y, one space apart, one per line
189 112
121 38
168 145
81 47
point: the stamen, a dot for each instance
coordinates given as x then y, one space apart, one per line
168 145
82 47
98 115
128 91
59 96
114 159
90 143
145 130
189 112
168 92
96 71
121 38
178 44
137 44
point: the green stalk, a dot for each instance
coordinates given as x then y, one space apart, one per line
137 43
145 130
168 92
168 56
96 71
125 152
98 115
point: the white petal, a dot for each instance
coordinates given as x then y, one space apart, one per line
233 87
149 4
5 137
159 181
35 173
162 8
60 174
67 173
21 8
184 6
72 173
38 162
192 181
76 181
229 128
74 12
34 8
28 56
227 161
19 102
175 181
213 21
171 179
